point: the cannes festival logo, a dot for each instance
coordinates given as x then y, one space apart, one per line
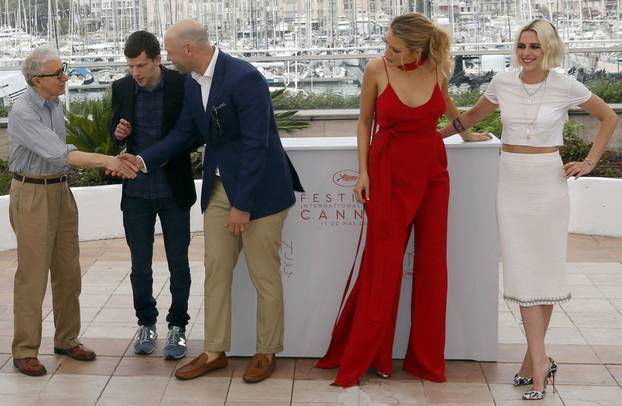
345 178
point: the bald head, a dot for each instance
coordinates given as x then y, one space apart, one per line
188 32
187 46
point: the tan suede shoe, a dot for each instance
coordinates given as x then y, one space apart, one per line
199 366
260 367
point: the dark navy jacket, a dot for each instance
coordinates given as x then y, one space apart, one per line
239 129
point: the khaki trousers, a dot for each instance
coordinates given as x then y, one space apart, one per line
261 243
45 221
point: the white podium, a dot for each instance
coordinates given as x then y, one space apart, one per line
319 244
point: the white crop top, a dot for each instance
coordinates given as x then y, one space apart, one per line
536 120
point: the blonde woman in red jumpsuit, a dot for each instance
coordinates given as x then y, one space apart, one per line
403 181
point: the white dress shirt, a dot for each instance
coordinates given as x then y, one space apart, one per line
205 80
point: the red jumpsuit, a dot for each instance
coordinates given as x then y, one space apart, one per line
409 184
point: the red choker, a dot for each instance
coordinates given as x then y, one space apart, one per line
411 66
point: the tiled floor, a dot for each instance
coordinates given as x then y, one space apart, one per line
585 338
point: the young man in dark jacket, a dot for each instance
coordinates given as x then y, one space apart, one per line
146 106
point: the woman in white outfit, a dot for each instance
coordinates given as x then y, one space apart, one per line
532 196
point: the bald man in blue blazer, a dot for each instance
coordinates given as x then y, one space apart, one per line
248 187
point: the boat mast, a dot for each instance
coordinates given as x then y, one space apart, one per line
115 32
235 24
308 13
451 19
26 18
18 23
161 17
56 24
49 20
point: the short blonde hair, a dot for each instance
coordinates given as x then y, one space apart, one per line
418 31
552 45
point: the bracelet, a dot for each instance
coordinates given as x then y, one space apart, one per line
458 125
588 161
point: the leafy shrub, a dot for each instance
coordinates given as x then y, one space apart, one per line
87 129
311 101
608 90
5 178
489 124
576 149
287 120
196 161
87 126
466 99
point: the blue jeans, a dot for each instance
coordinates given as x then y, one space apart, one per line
139 217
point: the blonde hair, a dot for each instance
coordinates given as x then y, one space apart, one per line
552 45
419 32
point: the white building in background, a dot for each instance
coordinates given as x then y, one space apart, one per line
161 14
262 24
118 17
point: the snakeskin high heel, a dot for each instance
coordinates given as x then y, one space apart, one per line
522 380
550 377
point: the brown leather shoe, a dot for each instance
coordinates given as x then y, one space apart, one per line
260 367
199 366
79 352
30 366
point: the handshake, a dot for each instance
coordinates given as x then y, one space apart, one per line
124 166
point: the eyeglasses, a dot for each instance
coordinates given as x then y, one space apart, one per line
59 73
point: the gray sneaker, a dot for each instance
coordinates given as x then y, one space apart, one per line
175 347
145 340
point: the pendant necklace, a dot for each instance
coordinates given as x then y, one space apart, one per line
529 94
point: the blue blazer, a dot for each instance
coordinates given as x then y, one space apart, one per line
239 130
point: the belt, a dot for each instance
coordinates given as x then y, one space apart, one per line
383 137
40 181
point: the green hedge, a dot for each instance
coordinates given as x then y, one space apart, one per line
574 149
310 101
5 178
92 134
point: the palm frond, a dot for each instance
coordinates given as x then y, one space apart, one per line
87 126
287 120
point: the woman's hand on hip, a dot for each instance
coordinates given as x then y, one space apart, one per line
361 189
577 169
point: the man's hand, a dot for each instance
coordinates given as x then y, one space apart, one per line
123 168
238 221
133 160
123 130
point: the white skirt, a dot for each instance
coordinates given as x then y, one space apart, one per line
533 211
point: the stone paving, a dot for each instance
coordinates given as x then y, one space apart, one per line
585 338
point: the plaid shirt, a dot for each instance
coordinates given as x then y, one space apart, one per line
147 131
